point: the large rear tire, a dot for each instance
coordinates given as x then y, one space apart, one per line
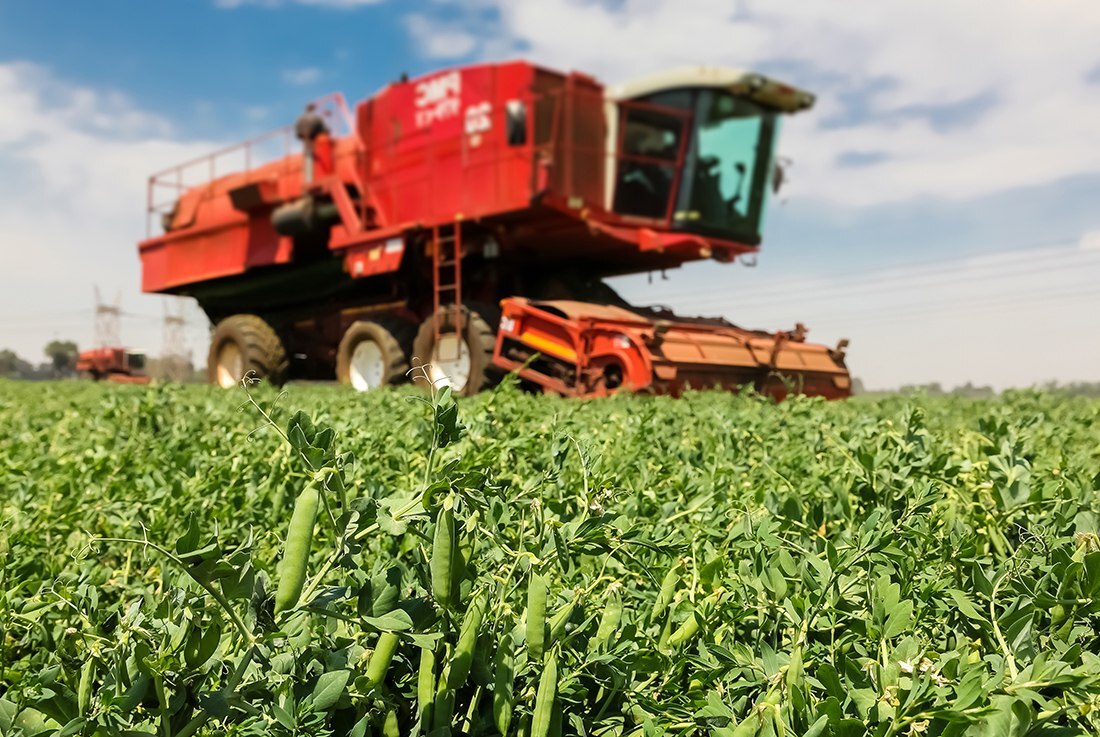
374 353
464 360
242 344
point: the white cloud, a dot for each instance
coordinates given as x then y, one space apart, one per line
73 167
302 76
1021 70
438 40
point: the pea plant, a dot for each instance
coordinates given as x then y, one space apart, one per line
716 565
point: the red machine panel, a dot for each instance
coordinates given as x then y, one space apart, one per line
439 146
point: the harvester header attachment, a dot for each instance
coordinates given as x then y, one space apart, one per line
580 349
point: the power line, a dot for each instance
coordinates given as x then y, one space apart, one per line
43 328
858 279
788 294
886 313
948 265
50 317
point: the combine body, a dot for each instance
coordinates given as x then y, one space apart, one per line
113 364
448 195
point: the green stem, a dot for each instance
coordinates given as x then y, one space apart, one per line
235 679
325 568
1010 661
162 705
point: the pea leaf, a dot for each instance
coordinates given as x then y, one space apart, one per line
397 620
962 601
329 688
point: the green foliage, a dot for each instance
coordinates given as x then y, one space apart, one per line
62 354
714 565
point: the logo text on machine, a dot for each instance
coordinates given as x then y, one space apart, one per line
438 98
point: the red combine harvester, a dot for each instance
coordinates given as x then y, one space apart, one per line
466 219
117 365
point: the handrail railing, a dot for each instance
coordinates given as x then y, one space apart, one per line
332 107
553 145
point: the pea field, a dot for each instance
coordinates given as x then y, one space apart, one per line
182 560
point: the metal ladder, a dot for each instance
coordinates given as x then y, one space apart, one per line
447 279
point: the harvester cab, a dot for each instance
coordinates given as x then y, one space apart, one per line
135 361
696 149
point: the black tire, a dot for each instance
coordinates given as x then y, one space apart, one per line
480 340
393 339
257 345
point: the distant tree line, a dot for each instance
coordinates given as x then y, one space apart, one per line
61 362
61 358
62 354
971 391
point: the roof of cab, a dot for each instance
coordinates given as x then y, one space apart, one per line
741 82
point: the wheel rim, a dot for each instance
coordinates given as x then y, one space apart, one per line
230 364
450 364
367 367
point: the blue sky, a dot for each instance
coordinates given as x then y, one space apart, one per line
942 209
205 66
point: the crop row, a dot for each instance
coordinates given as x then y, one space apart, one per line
180 561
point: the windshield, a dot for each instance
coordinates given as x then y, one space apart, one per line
732 142
727 160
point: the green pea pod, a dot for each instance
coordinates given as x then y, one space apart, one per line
668 590
84 689
380 659
481 672
504 684
748 726
389 727
559 620
458 570
609 622
467 641
795 673
544 698
536 617
191 647
666 631
444 705
299 540
444 552
425 688
687 631
773 696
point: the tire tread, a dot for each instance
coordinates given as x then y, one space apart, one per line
260 346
